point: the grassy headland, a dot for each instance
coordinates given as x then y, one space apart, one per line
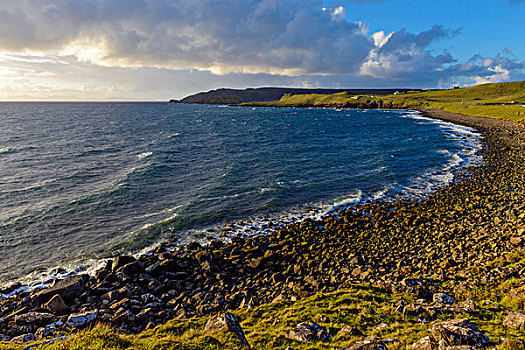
499 100
375 270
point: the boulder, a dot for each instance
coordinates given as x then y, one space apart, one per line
133 268
57 305
426 343
69 289
9 288
458 332
516 241
34 318
349 330
514 344
309 332
47 331
226 322
161 266
469 305
81 320
24 338
443 298
369 343
515 320
412 282
121 261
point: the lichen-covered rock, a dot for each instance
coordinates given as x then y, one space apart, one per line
412 282
458 332
515 320
310 332
512 344
349 330
426 343
369 343
229 322
47 331
468 305
81 320
443 298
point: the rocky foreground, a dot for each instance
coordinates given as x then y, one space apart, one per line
460 242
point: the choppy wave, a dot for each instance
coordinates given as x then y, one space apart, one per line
144 155
131 190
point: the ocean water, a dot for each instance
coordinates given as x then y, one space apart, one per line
81 181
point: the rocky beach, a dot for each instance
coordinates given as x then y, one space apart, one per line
449 250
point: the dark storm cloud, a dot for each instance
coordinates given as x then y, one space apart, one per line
265 35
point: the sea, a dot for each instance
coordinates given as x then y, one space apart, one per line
81 182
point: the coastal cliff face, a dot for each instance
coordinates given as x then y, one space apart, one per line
266 94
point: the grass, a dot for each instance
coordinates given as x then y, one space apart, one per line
497 100
267 326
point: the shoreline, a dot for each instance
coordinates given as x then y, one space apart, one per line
421 186
476 219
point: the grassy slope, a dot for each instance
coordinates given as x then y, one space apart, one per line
499 100
267 326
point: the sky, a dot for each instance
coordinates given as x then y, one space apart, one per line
146 50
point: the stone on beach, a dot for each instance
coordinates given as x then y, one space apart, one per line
34 318
57 305
81 320
68 289
227 322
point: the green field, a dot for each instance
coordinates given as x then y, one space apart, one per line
498 100
267 327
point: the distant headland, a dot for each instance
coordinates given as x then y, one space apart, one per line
266 94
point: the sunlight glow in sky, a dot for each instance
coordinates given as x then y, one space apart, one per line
162 49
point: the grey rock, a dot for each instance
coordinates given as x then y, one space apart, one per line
443 298
515 320
426 343
69 289
226 322
349 330
310 332
57 305
369 343
34 318
24 338
458 332
81 320
412 282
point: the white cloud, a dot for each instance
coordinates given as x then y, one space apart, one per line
399 54
500 74
156 49
264 36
